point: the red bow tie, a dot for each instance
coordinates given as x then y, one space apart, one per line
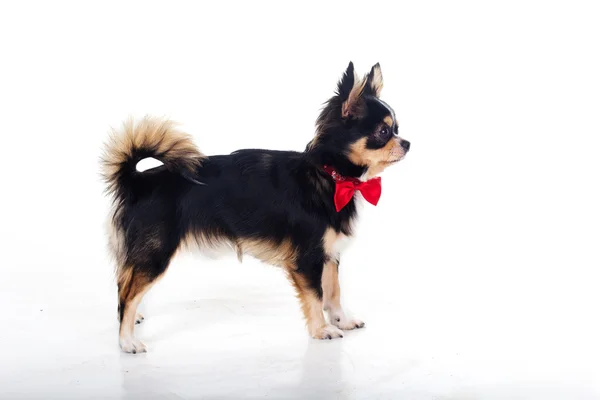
346 186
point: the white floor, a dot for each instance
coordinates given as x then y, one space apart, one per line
222 330
477 274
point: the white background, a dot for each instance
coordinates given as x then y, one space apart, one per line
477 275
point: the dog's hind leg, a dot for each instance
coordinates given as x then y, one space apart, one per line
133 283
139 317
148 250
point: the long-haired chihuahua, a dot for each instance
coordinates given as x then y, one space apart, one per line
285 208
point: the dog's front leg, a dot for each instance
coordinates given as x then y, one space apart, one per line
331 298
307 281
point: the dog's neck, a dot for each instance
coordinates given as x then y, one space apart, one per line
339 162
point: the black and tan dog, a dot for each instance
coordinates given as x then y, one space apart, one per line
282 207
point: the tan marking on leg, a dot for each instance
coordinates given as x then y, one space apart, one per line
312 308
131 293
331 299
331 286
124 275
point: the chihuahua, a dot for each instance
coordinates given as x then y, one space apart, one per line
285 208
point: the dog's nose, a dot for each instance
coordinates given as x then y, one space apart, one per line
405 144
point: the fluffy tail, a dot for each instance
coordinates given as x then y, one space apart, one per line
151 137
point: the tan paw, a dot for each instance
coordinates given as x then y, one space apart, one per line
133 346
327 332
347 324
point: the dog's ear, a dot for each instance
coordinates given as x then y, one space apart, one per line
374 81
347 82
350 89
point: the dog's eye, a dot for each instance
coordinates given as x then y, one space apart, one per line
384 131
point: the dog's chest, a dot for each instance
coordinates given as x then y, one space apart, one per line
343 241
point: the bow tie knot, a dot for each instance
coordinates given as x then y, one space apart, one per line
345 187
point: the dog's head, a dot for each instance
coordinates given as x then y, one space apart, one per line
357 131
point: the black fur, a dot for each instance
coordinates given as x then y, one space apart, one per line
264 195
249 194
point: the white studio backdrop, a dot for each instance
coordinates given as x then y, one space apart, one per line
485 240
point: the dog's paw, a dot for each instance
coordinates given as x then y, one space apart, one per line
139 318
327 332
133 346
346 324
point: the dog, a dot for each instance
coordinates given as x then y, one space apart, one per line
285 208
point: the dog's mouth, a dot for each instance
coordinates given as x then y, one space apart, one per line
396 155
396 160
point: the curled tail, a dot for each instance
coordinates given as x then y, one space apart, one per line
151 137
